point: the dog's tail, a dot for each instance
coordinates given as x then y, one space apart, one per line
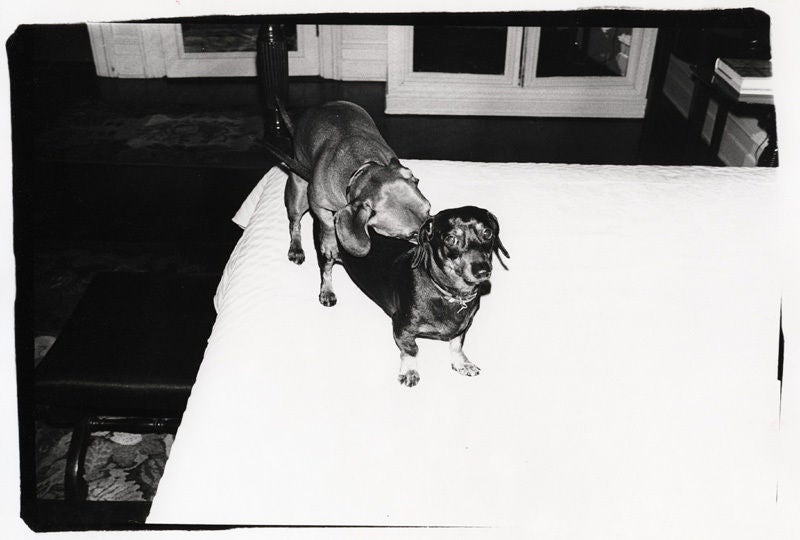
291 163
280 153
285 116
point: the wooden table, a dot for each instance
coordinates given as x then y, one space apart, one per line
708 85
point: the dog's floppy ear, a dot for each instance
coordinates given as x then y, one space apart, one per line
351 228
500 248
497 244
405 172
423 242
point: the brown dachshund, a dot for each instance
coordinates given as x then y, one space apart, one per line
356 182
432 290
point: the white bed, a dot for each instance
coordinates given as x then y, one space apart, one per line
628 385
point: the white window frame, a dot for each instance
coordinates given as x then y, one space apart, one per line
129 50
179 63
517 93
403 37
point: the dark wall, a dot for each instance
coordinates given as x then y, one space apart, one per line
51 66
58 43
490 138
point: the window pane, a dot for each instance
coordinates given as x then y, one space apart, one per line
206 38
460 49
583 52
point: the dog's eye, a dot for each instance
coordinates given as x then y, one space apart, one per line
451 240
487 234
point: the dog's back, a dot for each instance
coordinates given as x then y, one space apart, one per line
323 129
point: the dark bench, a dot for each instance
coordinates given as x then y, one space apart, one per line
126 360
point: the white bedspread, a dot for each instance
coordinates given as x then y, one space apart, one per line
628 385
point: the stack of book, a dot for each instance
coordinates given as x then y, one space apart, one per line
746 76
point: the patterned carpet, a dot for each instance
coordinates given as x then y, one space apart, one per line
118 466
97 132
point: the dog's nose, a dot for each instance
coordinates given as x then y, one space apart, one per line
481 271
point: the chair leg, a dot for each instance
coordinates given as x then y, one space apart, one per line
272 66
75 488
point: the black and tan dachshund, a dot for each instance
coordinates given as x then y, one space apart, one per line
432 289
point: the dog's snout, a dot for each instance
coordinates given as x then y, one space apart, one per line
481 270
426 207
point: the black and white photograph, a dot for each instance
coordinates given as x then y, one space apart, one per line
496 271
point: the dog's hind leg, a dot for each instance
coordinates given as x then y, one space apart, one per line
295 197
327 254
459 361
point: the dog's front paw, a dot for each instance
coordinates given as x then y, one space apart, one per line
466 368
327 298
297 255
409 378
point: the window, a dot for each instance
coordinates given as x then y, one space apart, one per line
460 49
211 38
557 71
568 51
208 50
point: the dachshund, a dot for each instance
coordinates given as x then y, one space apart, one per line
432 290
348 176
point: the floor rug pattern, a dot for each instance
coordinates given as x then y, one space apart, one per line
97 132
118 466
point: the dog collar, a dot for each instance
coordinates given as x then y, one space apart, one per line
357 173
463 301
